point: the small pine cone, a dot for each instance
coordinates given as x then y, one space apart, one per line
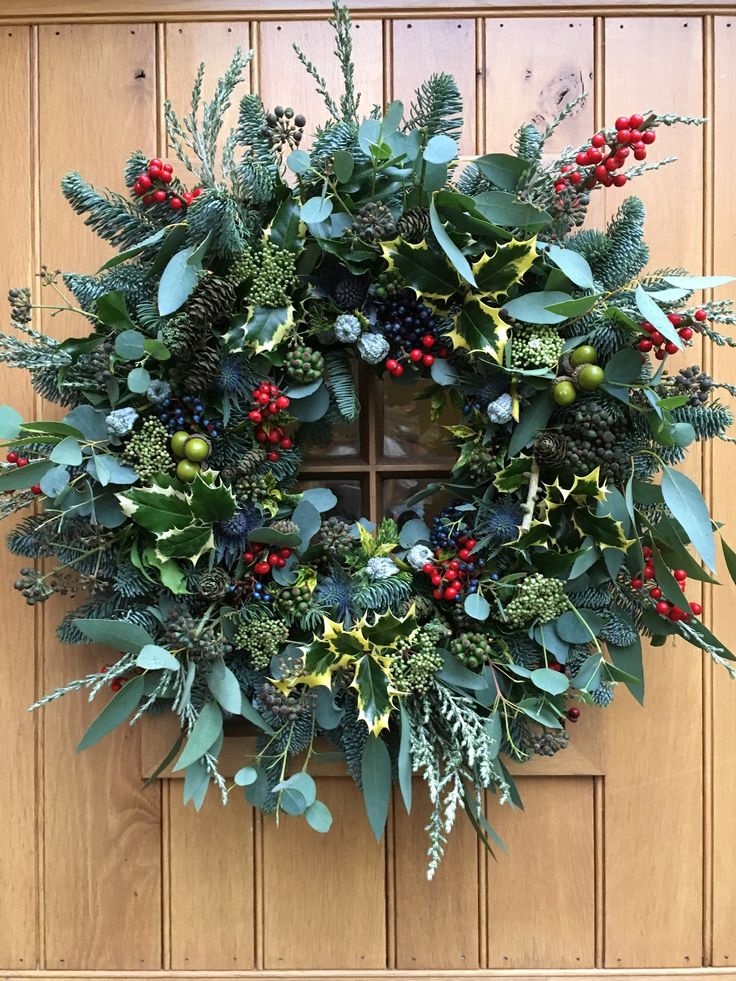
214 584
413 225
248 464
374 222
198 372
212 302
179 334
550 449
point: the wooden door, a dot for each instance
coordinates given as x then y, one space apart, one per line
623 860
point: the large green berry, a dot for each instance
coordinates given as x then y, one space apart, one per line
196 449
187 470
178 442
590 377
564 393
585 354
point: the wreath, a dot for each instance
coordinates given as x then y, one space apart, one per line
222 342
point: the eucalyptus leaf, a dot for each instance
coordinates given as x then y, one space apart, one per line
376 781
318 816
152 657
121 705
205 731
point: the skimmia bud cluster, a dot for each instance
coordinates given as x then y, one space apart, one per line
268 405
600 163
152 184
654 340
661 605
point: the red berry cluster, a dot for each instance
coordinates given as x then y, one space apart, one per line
152 185
22 461
263 561
269 403
449 573
654 340
420 356
606 154
662 606
117 683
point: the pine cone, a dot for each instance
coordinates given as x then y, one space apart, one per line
212 302
197 372
547 742
374 222
214 584
246 465
413 225
550 449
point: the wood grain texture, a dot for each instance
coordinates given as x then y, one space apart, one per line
282 80
436 922
653 786
18 895
212 887
543 914
325 895
722 599
102 832
447 45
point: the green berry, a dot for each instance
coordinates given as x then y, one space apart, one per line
564 393
590 377
178 442
196 449
186 470
585 354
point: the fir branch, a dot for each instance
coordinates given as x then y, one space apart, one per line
320 82
437 107
342 27
115 219
258 172
341 385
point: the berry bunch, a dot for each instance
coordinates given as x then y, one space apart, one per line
416 335
22 461
283 127
191 452
117 683
260 562
268 405
152 185
453 573
661 605
653 340
600 162
187 412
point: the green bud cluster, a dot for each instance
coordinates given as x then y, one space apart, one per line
387 285
482 463
252 488
304 364
182 631
417 659
472 649
374 222
537 598
271 275
261 639
535 346
295 601
334 537
148 450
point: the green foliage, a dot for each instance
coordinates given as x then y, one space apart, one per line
437 107
111 216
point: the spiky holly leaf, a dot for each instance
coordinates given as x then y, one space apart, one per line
496 273
345 644
371 681
185 543
512 477
320 662
159 508
424 269
479 327
387 628
604 530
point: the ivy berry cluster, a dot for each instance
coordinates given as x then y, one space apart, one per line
152 184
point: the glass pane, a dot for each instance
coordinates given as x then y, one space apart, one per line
348 492
345 443
408 431
398 490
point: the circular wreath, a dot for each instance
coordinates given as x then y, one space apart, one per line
224 338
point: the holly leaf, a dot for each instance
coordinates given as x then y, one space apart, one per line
210 503
424 269
479 327
371 681
185 543
496 273
158 508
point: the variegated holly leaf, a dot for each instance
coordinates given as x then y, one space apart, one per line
387 628
496 273
159 508
424 269
479 327
372 683
185 543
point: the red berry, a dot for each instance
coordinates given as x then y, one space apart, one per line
640 154
188 197
451 574
286 443
391 364
555 666
261 436
560 186
415 355
437 593
619 180
22 461
686 333
286 553
598 140
611 164
263 398
675 614
700 315
196 191
167 168
428 360
648 136
655 593
600 172
657 338
451 592
471 543
154 172
636 121
591 182
436 578
262 568
663 607
12 457
635 136
283 402
273 456
159 196
148 199
660 354
36 488
696 608
156 162
144 180
576 177
675 319
427 568
176 204
398 371
454 564
248 557
622 123
679 574
428 340
464 554
671 348
594 156
166 176
273 558
646 551
636 583
115 685
138 189
573 713
645 344
255 416
622 153
274 437
582 159
624 136
280 563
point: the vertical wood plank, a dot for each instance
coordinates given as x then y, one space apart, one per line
534 67
541 894
324 897
212 916
281 79
722 598
426 47
102 831
653 787
18 896
436 922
